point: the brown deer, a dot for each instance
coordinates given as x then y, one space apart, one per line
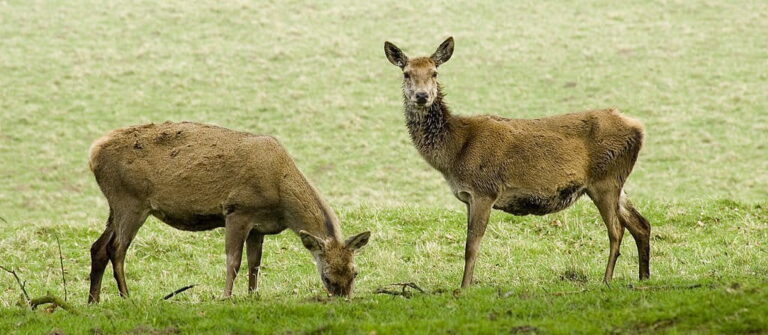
199 177
523 166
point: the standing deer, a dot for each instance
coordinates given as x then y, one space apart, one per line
199 177
523 166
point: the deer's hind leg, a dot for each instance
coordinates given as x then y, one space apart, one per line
100 259
129 216
606 199
640 229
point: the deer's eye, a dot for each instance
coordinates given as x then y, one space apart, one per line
434 74
407 75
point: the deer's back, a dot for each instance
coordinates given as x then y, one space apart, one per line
188 168
553 157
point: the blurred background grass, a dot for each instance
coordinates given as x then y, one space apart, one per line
315 76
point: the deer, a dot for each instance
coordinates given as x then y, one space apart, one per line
523 166
197 177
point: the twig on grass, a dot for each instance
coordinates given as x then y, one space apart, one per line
46 299
52 299
3 219
61 262
664 287
382 290
172 294
18 280
403 292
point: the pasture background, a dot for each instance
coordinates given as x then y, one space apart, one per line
315 76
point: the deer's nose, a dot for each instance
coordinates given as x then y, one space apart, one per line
421 97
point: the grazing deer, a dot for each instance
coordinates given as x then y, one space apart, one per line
522 166
199 177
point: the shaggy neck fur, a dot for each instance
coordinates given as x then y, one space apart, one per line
429 127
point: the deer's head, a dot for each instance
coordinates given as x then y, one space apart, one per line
335 260
419 74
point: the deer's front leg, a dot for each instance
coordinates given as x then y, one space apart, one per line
253 250
479 209
237 227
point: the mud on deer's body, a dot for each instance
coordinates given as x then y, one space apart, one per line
523 166
198 177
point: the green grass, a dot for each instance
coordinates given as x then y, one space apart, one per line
707 277
315 76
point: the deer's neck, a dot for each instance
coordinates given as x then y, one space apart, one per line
306 210
432 130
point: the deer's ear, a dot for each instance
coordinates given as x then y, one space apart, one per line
395 55
443 52
311 242
358 241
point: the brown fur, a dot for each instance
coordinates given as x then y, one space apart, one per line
198 177
523 166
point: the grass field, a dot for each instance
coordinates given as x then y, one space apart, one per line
315 76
